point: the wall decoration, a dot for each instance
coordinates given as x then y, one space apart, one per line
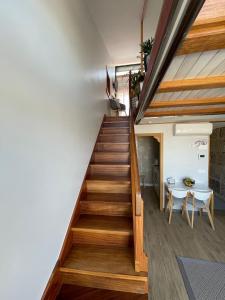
201 144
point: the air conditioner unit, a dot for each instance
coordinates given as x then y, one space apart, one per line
193 129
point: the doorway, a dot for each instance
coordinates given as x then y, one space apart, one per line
150 159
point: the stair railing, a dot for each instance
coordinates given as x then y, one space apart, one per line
141 260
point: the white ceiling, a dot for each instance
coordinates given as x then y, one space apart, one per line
118 22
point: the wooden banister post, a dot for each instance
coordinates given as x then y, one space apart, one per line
141 260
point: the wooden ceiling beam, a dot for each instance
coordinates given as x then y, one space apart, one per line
187 102
192 84
205 35
182 112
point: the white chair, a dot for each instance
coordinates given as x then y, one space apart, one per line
177 197
201 201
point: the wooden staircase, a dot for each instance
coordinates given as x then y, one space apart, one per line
99 251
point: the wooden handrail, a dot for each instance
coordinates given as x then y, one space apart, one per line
141 260
135 179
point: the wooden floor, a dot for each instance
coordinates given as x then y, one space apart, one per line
163 242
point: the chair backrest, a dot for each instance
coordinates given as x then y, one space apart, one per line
114 104
179 193
202 196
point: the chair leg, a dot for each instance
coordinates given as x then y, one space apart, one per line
187 215
210 219
192 218
182 210
170 216
167 206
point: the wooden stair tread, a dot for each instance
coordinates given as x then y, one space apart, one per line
113 135
110 132
107 197
72 292
109 157
119 143
110 153
114 138
106 208
110 163
117 153
102 259
104 223
123 147
115 124
113 128
117 118
114 179
103 230
121 127
117 121
127 127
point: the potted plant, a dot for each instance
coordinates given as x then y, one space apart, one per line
141 79
136 80
146 48
188 181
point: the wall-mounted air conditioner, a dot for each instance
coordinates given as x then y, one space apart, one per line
193 129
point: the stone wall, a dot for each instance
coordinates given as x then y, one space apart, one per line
217 166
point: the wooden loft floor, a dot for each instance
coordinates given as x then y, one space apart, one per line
194 83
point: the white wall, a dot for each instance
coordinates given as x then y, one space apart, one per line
52 84
179 154
151 18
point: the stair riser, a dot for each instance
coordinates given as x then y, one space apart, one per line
98 186
105 208
114 131
115 124
108 147
110 138
104 238
110 158
115 119
84 293
102 281
111 170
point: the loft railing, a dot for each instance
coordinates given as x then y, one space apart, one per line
175 19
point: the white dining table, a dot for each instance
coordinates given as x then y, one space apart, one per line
195 187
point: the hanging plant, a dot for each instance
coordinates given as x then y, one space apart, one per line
136 78
146 46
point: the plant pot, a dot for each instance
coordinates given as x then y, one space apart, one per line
146 60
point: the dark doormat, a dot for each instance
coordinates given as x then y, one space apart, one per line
204 280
